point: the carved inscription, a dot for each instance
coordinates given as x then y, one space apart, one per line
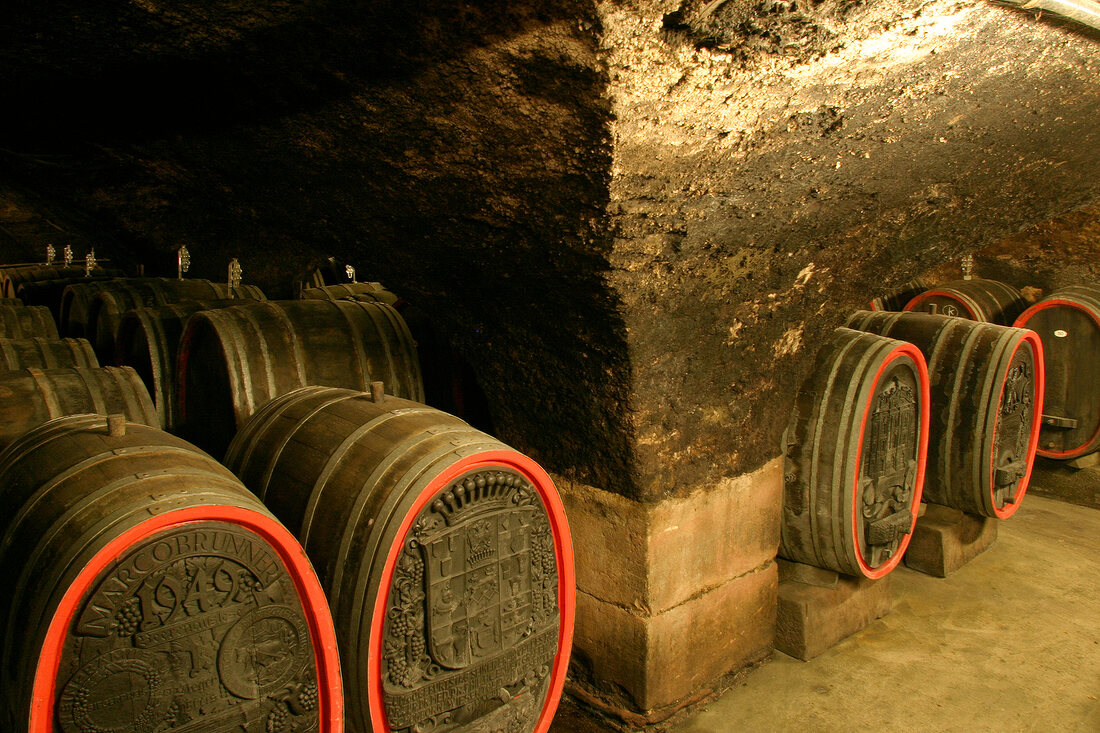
193 629
1015 415
889 469
471 626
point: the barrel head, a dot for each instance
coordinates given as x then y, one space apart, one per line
472 624
198 627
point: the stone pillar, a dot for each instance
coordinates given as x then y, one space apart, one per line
672 595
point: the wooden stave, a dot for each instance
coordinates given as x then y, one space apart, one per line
1086 300
141 486
811 488
43 353
74 315
107 307
13 278
239 346
953 479
148 340
340 490
370 291
989 301
26 321
35 396
895 300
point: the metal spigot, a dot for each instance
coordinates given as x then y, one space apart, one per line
183 261
234 276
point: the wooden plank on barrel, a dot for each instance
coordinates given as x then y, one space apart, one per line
445 555
30 397
233 360
854 456
45 353
987 389
1068 323
22 321
147 590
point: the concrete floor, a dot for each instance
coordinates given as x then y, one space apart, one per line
1011 642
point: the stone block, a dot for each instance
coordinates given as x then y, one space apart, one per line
713 535
643 668
812 618
945 539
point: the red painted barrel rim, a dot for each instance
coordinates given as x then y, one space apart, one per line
322 633
917 357
563 550
1036 343
1021 322
919 300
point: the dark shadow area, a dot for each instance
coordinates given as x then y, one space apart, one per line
458 152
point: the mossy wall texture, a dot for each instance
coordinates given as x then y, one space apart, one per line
761 191
458 152
635 220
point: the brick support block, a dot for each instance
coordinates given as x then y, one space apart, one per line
813 617
674 595
945 539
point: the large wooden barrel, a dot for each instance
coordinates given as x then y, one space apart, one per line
11 278
233 360
30 397
855 455
148 340
77 318
895 300
46 353
26 321
1068 323
49 292
11 301
145 589
351 291
445 555
108 305
989 301
987 389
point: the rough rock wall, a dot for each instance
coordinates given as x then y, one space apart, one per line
456 151
760 192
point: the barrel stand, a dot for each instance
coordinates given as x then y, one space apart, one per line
945 539
818 608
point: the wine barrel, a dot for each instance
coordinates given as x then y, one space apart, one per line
987 389
445 555
895 300
11 278
30 397
26 321
46 353
1068 323
351 291
989 301
49 292
855 455
148 340
145 589
11 301
107 306
76 300
233 360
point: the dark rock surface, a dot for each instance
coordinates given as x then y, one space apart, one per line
635 220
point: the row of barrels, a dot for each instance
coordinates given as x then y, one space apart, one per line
901 408
165 596
1068 324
